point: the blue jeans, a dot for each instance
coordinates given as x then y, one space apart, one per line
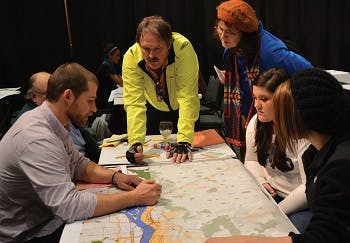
301 219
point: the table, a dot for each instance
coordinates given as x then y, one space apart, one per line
116 96
200 199
117 123
5 92
341 76
111 156
346 86
10 101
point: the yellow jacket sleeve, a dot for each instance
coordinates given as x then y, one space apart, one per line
133 95
186 77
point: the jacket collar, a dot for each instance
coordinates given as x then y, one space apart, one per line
321 157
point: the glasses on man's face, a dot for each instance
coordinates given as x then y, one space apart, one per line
226 32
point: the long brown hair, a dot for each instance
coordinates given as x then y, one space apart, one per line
270 80
288 128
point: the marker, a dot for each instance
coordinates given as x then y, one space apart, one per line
164 146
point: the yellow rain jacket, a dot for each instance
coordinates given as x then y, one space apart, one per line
182 82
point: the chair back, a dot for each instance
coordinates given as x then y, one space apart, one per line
214 95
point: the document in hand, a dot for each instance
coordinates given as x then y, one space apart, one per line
207 138
220 74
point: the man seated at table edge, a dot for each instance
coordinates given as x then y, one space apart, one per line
39 164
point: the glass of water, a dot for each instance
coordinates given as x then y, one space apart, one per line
165 128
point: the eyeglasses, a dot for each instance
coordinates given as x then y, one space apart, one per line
227 32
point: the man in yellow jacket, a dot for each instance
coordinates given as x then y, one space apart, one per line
160 74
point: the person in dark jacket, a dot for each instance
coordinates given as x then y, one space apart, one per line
109 77
313 105
36 93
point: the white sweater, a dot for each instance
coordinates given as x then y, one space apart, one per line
291 184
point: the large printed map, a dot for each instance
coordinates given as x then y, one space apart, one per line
199 200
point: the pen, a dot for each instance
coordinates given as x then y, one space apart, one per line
150 155
195 149
144 155
120 156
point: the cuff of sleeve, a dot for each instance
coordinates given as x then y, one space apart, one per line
283 207
114 177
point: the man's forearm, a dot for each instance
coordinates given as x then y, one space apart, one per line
97 174
111 203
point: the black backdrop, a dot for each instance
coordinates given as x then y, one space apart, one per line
34 33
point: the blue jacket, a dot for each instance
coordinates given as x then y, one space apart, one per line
275 54
238 99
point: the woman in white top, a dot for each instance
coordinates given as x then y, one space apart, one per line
278 169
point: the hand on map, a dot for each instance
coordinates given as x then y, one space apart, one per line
269 189
127 182
135 154
139 155
180 152
148 192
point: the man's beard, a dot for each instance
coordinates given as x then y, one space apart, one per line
76 120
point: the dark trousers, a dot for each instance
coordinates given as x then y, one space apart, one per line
52 238
154 116
117 122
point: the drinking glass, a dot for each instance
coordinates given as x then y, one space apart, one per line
165 129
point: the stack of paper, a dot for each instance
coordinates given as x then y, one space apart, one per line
114 140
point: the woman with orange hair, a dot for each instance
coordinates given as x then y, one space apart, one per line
249 51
